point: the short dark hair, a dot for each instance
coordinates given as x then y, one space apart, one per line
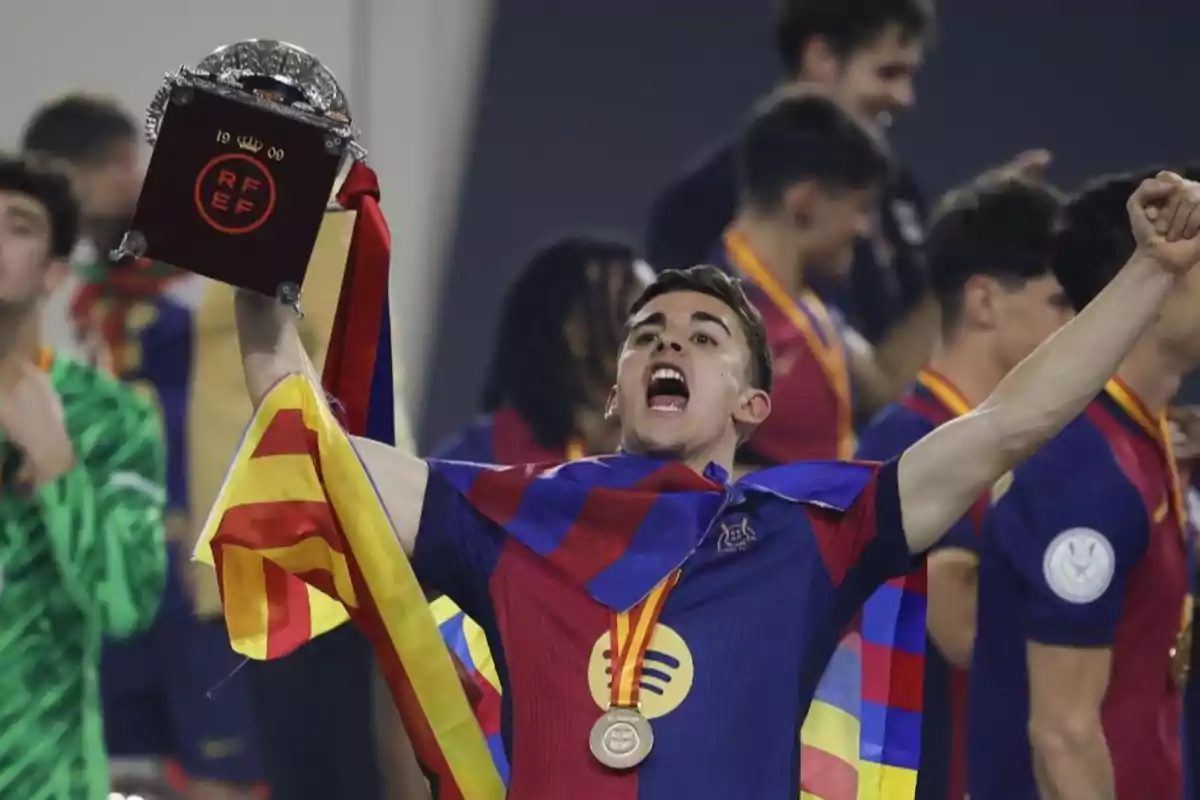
846 24
1000 227
533 370
52 189
715 283
795 137
1095 239
79 128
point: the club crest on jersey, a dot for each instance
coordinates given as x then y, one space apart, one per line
1079 565
736 537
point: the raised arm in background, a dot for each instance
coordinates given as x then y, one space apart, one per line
942 474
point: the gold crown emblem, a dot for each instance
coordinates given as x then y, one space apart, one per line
249 143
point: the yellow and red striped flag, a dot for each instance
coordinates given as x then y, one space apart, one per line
301 543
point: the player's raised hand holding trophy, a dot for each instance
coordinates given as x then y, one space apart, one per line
257 180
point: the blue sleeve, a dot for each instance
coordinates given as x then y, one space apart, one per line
863 546
963 535
1072 527
891 432
457 547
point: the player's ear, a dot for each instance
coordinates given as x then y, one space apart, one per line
610 405
818 60
979 301
753 407
800 201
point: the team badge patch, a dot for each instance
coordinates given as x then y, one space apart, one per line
1079 565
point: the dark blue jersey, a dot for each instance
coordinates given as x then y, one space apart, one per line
1085 550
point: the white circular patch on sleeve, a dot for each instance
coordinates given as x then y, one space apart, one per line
1079 565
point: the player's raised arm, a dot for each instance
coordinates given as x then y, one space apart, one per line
271 351
941 475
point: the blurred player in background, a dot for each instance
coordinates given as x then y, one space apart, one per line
988 253
1084 617
147 323
81 511
864 54
553 365
555 356
810 177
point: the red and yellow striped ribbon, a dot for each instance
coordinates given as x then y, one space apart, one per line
946 392
629 636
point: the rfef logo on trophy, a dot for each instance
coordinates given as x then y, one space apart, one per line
235 193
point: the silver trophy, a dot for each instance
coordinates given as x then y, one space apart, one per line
275 121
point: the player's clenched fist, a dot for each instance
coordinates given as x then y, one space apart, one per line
31 417
1165 215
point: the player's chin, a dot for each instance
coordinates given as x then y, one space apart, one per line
663 432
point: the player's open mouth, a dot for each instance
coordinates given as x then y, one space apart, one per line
667 389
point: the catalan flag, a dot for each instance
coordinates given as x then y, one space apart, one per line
862 737
301 542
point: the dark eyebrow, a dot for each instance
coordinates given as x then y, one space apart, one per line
704 316
657 319
25 214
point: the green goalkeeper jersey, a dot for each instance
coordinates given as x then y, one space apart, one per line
80 559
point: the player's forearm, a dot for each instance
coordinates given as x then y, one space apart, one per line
109 545
271 347
945 472
1053 385
1071 760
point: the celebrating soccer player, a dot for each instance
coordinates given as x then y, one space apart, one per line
809 181
988 253
552 367
1083 596
81 499
573 570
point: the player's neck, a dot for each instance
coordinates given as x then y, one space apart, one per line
775 246
1153 371
970 365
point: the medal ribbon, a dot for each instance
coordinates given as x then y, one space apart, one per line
829 352
1159 433
946 392
1156 428
628 637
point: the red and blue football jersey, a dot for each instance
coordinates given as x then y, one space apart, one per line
773 569
1084 549
942 704
501 437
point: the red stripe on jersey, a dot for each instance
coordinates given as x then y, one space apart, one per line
843 536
